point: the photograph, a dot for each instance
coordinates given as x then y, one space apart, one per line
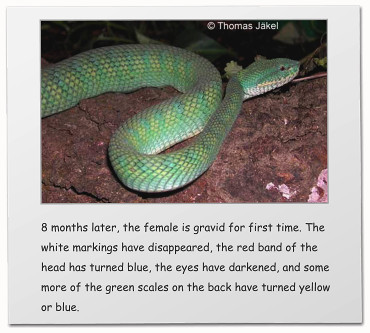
184 111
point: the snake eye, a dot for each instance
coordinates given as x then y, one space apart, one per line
282 68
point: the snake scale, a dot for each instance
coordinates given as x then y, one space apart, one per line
134 148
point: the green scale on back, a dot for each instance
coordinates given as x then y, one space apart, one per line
200 110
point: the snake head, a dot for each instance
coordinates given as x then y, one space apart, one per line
265 75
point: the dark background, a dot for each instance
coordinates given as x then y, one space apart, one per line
294 39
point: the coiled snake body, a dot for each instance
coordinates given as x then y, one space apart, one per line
200 110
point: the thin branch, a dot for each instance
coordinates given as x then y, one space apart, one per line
315 76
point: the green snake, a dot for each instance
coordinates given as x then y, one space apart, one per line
134 148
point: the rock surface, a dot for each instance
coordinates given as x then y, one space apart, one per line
279 138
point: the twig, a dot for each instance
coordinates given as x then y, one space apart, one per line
315 76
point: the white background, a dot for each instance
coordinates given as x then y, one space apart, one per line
3 271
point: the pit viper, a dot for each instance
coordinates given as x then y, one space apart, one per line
201 110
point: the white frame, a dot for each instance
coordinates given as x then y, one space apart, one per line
340 245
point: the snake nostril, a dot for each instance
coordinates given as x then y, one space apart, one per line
282 68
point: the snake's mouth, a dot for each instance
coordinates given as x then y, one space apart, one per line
278 73
276 83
